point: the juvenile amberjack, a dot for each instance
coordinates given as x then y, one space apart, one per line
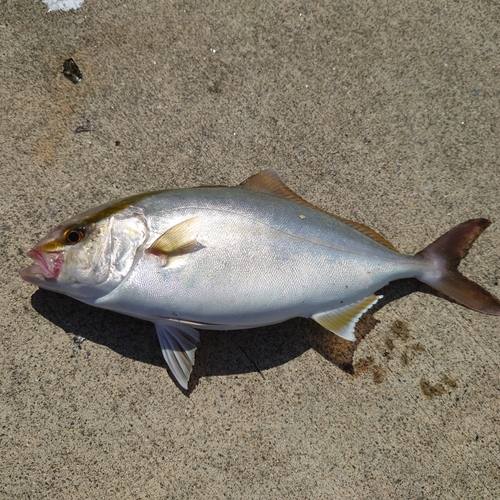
227 258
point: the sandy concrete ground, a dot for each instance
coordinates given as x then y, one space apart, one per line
382 113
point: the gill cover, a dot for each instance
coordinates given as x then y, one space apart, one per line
106 254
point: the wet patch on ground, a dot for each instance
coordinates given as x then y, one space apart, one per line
432 390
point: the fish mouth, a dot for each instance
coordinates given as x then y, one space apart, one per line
47 264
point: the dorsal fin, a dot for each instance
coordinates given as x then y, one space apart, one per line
269 182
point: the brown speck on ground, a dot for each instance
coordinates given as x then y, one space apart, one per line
400 329
431 390
380 112
450 382
418 347
368 365
389 343
405 358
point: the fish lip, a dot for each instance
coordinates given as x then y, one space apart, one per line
47 264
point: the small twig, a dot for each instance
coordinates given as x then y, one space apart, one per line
252 361
88 127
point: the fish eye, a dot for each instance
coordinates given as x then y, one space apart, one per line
74 235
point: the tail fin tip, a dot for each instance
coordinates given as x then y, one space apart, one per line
446 253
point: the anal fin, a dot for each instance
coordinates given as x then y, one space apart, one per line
178 345
342 320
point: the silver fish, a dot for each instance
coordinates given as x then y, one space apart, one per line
227 258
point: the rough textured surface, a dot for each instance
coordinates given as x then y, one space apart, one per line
384 113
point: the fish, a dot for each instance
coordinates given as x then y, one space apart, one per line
229 258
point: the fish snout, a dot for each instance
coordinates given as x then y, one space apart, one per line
46 264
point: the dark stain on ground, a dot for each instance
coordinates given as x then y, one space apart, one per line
418 347
405 359
389 343
450 382
406 355
214 87
431 391
400 330
368 365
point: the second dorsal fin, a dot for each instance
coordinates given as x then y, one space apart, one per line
269 182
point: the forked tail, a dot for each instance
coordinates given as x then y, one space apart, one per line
446 253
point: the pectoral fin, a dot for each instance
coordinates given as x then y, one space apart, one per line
178 345
342 321
178 239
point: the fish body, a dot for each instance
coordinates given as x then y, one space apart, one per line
230 258
260 260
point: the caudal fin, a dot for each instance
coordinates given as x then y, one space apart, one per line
446 253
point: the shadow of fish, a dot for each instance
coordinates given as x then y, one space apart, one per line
227 258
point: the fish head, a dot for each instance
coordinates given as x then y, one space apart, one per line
89 255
